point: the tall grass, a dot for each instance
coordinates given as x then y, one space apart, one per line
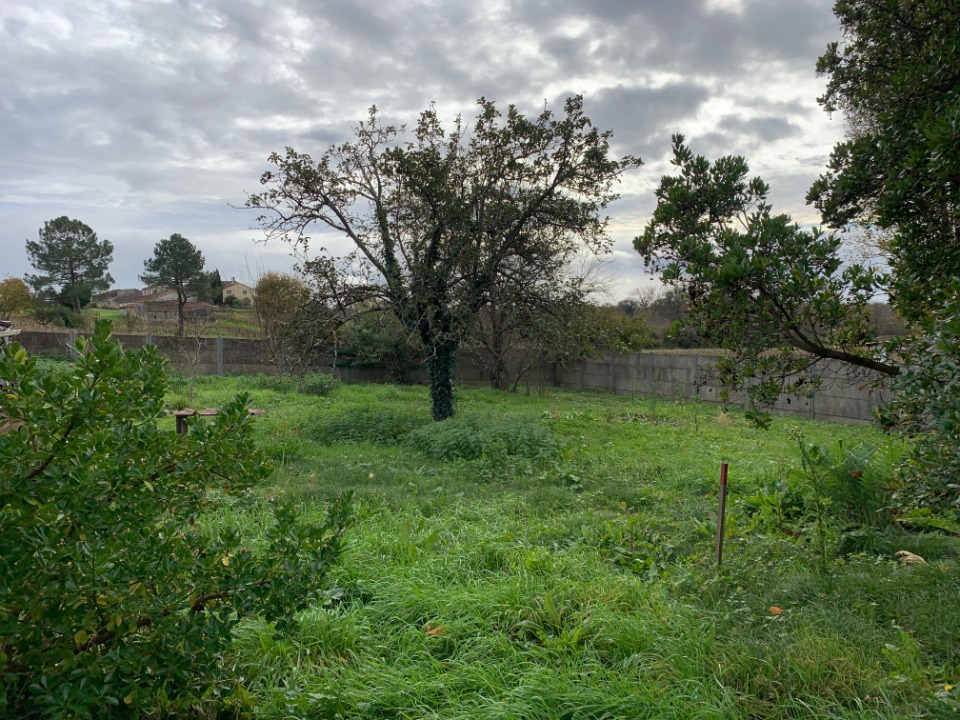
551 557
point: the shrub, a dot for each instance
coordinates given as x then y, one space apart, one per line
279 383
381 426
927 405
473 438
58 315
114 601
318 383
854 482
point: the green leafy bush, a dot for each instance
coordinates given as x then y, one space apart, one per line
927 405
279 383
854 483
114 601
381 426
318 383
473 438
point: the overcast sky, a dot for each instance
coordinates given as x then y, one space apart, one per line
144 118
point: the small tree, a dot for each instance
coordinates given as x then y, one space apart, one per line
294 325
71 261
14 296
214 287
176 264
436 220
116 593
775 295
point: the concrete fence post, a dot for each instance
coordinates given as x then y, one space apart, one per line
695 394
220 355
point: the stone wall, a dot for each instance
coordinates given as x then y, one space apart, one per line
685 375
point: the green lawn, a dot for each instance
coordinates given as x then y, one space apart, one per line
552 557
103 313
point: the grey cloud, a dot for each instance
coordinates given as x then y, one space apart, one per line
151 116
687 36
764 129
643 119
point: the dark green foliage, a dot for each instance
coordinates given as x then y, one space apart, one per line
71 261
928 405
854 483
211 289
472 438
178 265
114 599
377 337
782 299
57 315
438 220
440 363
896 76
318 383
382 426
775 295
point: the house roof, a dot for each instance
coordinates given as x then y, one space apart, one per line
154 297
171 305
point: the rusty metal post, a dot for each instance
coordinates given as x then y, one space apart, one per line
721 512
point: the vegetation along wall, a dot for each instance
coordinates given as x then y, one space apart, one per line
672 374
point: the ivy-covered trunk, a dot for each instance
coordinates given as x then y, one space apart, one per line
498 375
441 357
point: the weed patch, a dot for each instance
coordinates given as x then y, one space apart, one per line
473 438
379 426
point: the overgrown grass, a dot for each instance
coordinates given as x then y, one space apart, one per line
552 557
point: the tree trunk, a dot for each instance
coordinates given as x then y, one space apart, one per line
440 361
498 374
180 304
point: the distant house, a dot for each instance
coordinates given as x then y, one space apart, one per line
240 292
159 296
116 298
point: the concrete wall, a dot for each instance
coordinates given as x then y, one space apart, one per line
686 375
203 356
843 395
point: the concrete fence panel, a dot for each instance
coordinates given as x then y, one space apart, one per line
684 375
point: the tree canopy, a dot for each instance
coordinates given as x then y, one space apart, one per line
760 285
435 220
896 75
71 262
177 264
14 296
295 328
